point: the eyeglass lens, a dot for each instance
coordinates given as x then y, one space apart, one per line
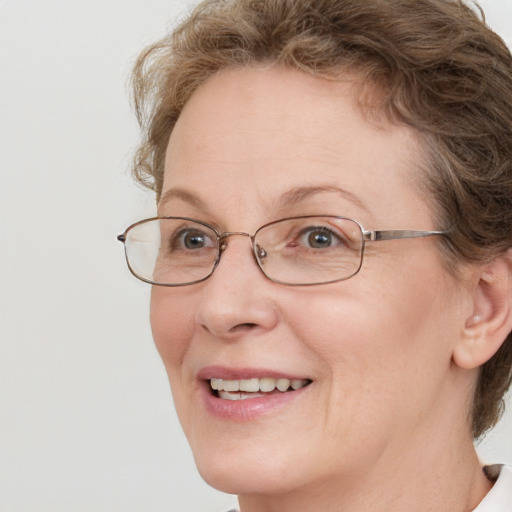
301 250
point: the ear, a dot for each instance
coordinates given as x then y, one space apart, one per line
490 320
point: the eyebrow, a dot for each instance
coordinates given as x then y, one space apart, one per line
289 199
184 195
296 195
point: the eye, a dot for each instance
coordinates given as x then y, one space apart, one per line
191 239
318 237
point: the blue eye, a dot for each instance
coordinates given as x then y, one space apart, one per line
318 238
191 239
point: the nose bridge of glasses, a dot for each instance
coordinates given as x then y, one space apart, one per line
224 236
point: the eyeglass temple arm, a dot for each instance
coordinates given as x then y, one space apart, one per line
394 234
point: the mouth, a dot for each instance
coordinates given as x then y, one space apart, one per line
243 389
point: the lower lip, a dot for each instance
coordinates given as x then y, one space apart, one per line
250 408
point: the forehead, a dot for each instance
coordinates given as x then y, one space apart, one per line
255 133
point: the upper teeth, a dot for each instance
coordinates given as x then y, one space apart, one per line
264 384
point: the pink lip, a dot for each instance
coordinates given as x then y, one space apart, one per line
251 408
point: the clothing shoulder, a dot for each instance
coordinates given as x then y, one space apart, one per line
499 498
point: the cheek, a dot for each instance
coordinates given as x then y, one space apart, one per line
172 325
383 339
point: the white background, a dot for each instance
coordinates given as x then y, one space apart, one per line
86 422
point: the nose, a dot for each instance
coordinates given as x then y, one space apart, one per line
237 299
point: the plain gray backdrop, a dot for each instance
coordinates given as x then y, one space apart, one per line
86 417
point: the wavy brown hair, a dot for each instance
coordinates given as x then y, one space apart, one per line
437 68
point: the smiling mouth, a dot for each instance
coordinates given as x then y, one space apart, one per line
244 389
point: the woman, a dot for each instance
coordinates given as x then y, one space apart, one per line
332 262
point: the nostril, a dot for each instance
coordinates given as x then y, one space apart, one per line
246 326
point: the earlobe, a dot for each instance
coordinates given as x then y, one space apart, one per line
490 320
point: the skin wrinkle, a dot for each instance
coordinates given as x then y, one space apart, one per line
377 349
287 201
384 347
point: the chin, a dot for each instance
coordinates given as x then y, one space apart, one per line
239 471
244 480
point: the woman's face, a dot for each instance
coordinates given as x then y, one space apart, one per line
256 145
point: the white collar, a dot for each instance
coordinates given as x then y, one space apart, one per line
499 498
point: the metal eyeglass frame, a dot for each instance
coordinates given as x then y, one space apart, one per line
367 236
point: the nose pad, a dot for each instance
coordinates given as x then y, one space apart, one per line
260 253
223 245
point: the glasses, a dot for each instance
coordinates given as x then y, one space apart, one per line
297 251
